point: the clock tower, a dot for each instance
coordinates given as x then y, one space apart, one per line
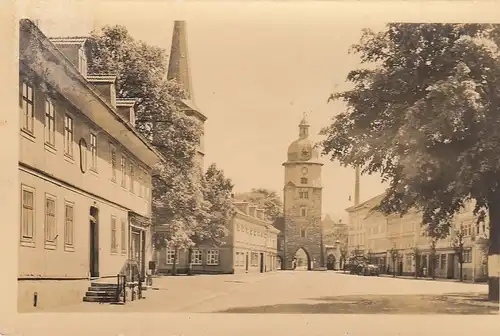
302 203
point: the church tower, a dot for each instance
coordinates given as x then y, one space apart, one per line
179 70
303 228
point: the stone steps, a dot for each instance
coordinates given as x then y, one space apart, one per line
101 292
105 292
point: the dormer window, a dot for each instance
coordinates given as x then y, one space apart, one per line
303 180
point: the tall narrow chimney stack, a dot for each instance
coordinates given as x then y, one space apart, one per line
356 186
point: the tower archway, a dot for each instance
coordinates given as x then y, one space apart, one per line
302 260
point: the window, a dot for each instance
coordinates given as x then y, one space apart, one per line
50 125
409 260
213 257
123 166
303 211
123 236
28 214
303 232
68 224
93 151
27 108
141 183
304 194
467 256
50 220
68 135
113 234
170 257
196 257
443 261
131 176
255 259
145 189
112 149
303 180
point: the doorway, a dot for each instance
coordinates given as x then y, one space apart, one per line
246 262
142 262
94 242
330 262
262 263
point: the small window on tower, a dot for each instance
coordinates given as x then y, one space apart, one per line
303 180
303 211
303 232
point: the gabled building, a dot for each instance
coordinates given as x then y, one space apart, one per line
249 247
84 174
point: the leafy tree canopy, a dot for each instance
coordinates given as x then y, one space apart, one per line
424 113
187 205
217 191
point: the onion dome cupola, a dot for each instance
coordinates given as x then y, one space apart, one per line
303 149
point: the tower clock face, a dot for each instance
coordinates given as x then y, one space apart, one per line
306 153
304 170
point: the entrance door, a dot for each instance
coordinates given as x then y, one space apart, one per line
94 242
262 263
451 266
142 263
246 262
330 262
136 246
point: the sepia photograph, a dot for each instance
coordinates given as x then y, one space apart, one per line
172 161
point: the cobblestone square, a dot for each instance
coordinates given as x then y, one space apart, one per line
303 292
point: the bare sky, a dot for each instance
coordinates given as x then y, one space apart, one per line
255 70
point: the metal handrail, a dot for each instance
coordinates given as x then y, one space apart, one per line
127 276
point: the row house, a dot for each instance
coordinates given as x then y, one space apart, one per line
399 244
84 174
250 246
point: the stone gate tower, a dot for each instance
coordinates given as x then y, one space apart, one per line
302 201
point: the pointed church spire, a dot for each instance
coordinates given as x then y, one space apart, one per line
178 65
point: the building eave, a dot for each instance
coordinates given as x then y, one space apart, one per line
365 204
56 68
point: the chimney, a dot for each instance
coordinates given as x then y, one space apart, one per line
356 186
105 84
126 108
252 209
242 206
75 49
260 214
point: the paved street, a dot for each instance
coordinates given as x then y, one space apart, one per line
304 292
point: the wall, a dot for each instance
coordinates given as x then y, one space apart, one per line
35 153
245 235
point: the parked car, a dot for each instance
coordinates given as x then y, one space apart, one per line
371 270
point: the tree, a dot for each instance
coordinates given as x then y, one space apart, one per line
424 113
211 227
458 247
140 71
343 255
394 254
416 257
267 199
